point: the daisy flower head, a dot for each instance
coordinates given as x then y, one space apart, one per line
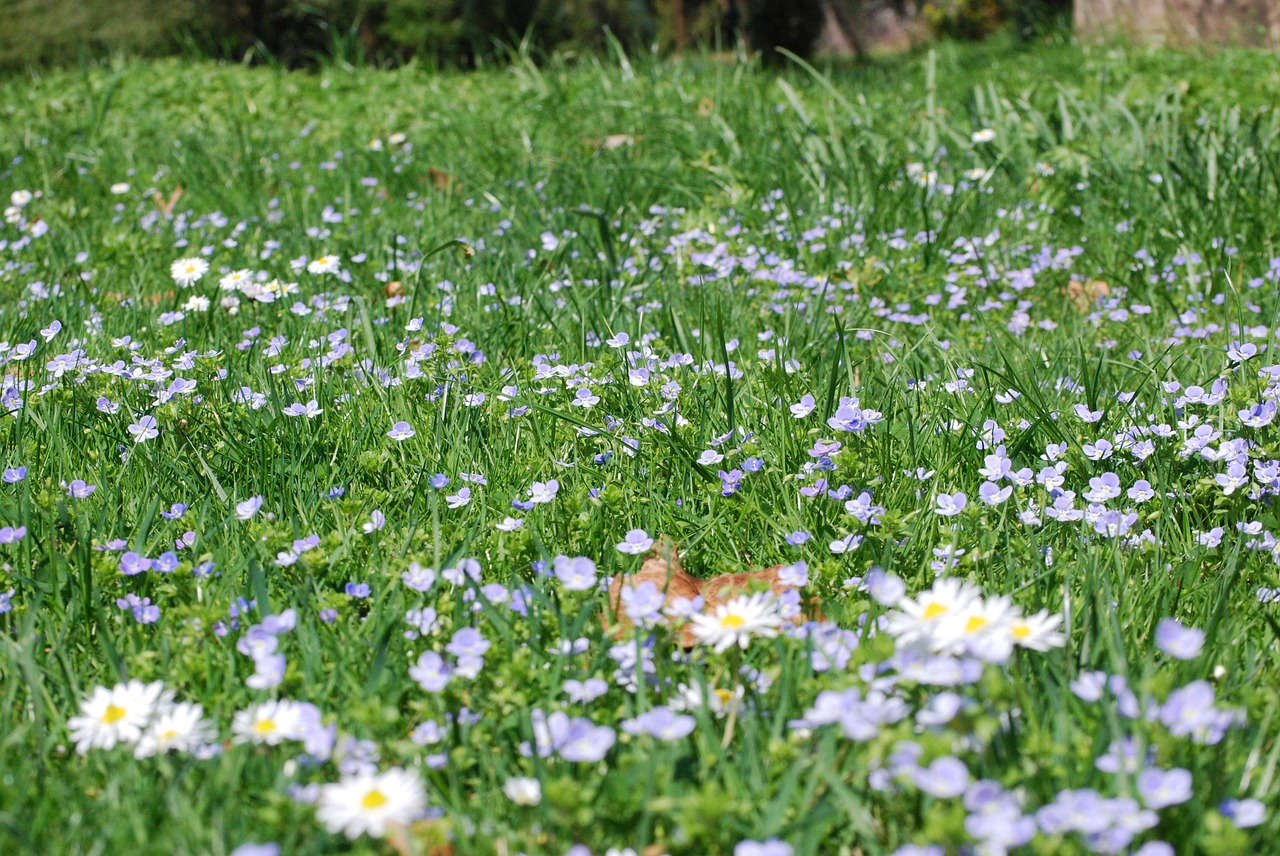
187 272
116 715
368 803
918 621
325 264
180 728
735 622
1038 632
269 723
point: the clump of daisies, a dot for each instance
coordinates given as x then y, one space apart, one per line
146 717
953 618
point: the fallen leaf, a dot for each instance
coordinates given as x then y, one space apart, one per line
442 181
166 206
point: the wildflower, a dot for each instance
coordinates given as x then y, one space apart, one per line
637 541
180 728
945 778
576 574
13 475
247 509
431 672
270 723
523 791
1183 643
187 272
738 620
1162 788
116 715
376 521
369 803
984 135
949 505
662 723
144 429
578 739
401 431
79 489
325 264
543 492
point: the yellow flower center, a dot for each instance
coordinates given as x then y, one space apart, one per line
732 622
265 726
1021 631
374 799
933 610
114 714
724 695
975 623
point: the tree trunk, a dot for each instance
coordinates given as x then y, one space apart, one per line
1244 22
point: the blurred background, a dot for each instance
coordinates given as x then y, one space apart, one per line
469 33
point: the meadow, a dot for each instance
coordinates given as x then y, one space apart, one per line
372 441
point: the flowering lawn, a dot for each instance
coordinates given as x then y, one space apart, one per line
625 458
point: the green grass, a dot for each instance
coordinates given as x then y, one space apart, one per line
1110 151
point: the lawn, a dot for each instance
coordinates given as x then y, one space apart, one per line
376 444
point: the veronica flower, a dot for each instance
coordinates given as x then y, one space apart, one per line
247 509
576 574
459 499
13 475
401 431
949 505
543 492
144 429
1162 788
637 541
11 534
376 521
78 489
1183 643
662 723
523 791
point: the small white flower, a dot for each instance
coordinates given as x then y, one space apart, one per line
523 791
368 803
116 715
187 272
735 622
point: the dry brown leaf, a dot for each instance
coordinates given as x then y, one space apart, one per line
664 570
166 206
442 181
1085 295
392 288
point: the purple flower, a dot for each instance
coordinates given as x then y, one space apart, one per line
12 535
254 849
662 723
951 504
1183 643
1161 788
1244 813
79 489
6 601
401 431
467 642
576 574
13 475
637 541
175 511
796 575
144 611
431 672
247 509
357 590
946 777
131 564
730 482
799 538
577 739
166 563
643 603
144 429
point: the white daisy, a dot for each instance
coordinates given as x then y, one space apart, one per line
325 264
1038 632
235 279
738 620
270 722
181 728
370 802
918 621
116 715
186 272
